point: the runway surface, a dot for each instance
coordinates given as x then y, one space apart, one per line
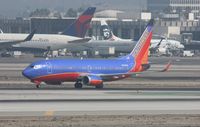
149 99
173 92
97 102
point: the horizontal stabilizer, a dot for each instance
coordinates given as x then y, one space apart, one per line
167 66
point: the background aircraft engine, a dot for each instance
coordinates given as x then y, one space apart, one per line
92 80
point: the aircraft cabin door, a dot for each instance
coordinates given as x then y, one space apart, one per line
49 67
89 68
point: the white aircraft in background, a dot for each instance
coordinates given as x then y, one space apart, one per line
164 46
161 46
5 44
75 33
108 34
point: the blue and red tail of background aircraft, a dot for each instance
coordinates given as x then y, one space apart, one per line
81 25
91 72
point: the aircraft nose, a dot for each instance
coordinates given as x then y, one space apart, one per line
25 73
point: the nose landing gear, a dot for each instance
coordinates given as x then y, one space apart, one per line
38 86
37 83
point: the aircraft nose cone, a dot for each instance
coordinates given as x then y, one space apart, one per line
25 73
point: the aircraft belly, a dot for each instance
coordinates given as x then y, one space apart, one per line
31 45
114 77
41 45
76 48
119 47
64 77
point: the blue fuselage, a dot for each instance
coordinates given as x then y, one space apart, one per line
49 69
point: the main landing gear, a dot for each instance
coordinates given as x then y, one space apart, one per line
38 86
78 85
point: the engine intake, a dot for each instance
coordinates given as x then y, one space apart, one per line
92 80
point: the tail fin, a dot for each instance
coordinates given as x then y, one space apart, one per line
145 59
141 49
107 32
81 25
30 36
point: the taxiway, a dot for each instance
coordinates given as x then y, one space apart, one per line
97 102
153 99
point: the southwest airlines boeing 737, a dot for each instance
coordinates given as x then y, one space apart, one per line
92 72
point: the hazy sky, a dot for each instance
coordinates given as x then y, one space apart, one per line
16 8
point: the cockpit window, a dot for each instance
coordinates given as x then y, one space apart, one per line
31 66
37 66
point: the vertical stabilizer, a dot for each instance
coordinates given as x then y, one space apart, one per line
81 25
141 49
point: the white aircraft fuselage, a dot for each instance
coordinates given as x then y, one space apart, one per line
40 41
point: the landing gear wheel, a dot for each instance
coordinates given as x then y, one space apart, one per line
37 86
99 86
78 85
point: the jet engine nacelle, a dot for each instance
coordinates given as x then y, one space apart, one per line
92 80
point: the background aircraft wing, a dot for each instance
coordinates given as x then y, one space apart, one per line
10 43
82 40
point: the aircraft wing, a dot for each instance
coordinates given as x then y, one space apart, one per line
5 44
116 76
157 46
165 69
82 40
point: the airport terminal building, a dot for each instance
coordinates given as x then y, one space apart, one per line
174 6
124 28
18 25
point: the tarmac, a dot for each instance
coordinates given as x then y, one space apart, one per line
154 98
97 102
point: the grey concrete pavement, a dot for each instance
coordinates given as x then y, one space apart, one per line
93 102
95 95
98 108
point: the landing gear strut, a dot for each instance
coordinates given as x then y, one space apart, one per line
37 83
37 86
